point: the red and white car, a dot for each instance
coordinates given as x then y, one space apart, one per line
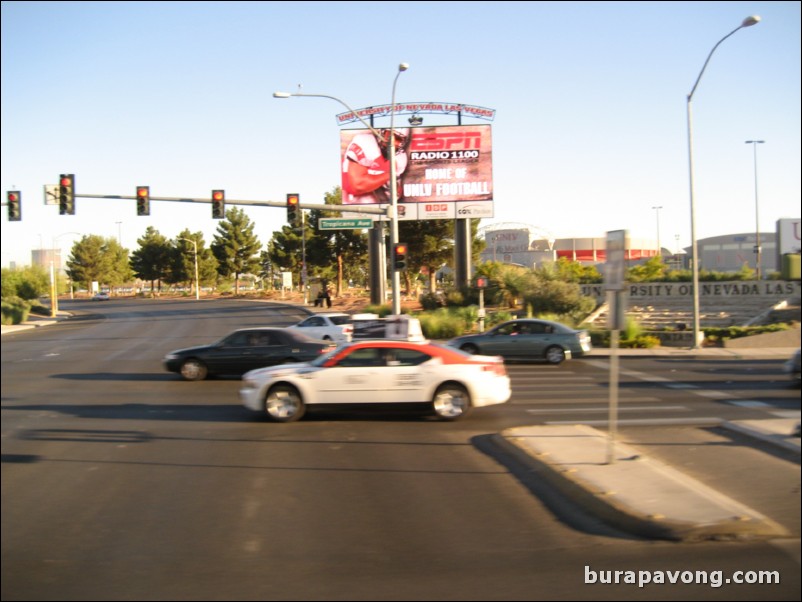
450 381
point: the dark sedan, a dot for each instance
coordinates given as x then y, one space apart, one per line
244 350
528 339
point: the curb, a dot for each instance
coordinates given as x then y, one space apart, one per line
697 512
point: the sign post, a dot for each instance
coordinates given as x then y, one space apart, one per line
614 283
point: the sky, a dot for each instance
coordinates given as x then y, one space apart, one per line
590 132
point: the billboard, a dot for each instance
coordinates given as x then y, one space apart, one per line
443 172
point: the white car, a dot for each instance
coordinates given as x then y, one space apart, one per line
326 326
450 381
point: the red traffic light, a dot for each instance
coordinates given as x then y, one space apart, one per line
66 181
12 196
142 191
292 199
401 249
218 195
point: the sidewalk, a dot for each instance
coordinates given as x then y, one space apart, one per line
34 321
636 493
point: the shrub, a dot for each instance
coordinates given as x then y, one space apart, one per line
380 310
15 310
431 301
441 324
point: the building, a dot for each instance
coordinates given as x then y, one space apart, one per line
46 257
528 246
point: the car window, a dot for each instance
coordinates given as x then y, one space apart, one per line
510 329
339 320
260 339
406 357
365 357
314 321
237 339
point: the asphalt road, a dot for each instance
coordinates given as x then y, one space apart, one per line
122 482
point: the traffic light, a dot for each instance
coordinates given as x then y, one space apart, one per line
14 197
66 194
143 200
481 282
218 204
293 209
400 256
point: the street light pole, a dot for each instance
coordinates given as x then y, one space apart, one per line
197 282
758 250
392 214
657 212
748 22
394 197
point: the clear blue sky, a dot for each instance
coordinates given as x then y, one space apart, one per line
590 131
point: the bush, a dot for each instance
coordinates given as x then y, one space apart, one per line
380 310
717 336
15 311
497 318
431 301
441 324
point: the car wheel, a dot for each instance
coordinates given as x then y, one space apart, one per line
284 404
451 402
470 348
194 370
555 355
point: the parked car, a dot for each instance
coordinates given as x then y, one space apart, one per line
244 350
326 326
792 367
448 381
528 339
102 296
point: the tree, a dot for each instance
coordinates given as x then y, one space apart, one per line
652 270
120 270
430 246
348 247
569 271
235 246
285 250
183 261
98 259
152 260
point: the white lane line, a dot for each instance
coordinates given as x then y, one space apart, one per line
620 409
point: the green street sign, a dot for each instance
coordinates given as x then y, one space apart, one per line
344 224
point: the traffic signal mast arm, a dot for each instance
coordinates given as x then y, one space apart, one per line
282 204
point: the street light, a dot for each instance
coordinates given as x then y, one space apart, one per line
391 211
53 275
197 282
748 22
657 212
758 250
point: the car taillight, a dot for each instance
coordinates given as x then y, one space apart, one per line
497 368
